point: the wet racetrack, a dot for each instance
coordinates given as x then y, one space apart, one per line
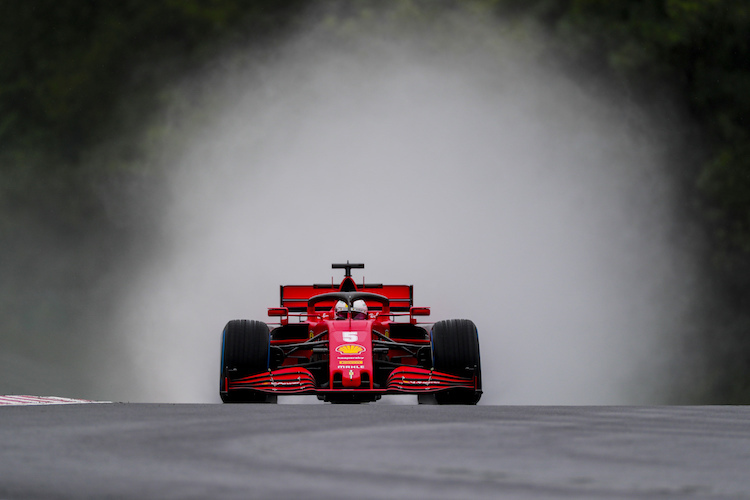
372 451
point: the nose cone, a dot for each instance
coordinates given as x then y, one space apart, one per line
351 378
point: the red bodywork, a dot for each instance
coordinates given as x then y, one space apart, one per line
311 352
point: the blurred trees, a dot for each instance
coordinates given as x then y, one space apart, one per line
79 83
74 73
80 75
695 53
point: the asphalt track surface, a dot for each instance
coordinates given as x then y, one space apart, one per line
372 451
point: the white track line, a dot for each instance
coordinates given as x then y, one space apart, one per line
13 400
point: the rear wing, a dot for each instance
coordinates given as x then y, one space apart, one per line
295 297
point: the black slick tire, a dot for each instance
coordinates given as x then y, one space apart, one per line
455 350
245 351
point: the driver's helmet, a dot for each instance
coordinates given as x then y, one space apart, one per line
342 308
359 309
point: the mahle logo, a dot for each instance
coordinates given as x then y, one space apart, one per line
350 349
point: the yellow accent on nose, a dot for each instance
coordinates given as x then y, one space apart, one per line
350 349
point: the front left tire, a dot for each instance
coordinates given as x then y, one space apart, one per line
455 350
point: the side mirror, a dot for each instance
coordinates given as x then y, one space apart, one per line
419 311
278 311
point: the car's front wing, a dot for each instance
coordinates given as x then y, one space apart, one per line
402 380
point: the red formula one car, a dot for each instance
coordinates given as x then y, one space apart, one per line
350 344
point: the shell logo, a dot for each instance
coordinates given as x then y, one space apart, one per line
350 349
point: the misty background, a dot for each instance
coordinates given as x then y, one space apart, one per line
480 151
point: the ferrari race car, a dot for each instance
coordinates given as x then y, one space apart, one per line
350 343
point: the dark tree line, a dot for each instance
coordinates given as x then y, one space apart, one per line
700 52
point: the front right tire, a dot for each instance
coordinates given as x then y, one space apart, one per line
245 351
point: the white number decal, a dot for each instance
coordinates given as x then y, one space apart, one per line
349 336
